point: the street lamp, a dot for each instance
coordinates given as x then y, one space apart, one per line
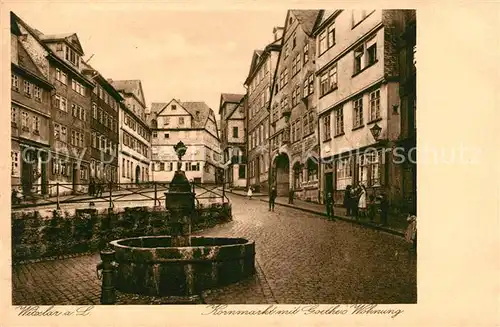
375 130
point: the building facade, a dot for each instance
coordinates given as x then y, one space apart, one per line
358 100
59 58
195 125
408 96
30 118
134 155
294 147
104 138
233 139
258 84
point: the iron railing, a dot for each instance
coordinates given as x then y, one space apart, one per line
149 193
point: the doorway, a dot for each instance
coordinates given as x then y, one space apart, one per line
137 174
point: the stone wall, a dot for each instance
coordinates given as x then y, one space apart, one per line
45 233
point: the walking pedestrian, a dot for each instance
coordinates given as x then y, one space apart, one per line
250 193
329 202
291 194
347 200
272 198
362 201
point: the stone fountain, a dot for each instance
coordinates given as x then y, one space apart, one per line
180 265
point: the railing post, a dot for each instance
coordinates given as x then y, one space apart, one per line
156 196
57 196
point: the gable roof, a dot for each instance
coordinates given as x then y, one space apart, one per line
229 98
70 38
129 86
306 18
240 104
200 112
25 61
259 55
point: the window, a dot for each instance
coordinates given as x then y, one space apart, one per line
286 51
309 86
306 53
61 76
339 121
100 115
311 122
167 135
15 163
294 41
331 36
358 58
375 105
94 139
27 88
323 45
166 121
344 173
372 54
369 168
94 110
358 112
25 120
37 91
328 81
71 56
305 124
14 82
326 128
36 124
155 135
365 55
296 65
61 103
174 107
181 121
285 77
78 88
235 132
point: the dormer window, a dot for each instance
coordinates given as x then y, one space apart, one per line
72 56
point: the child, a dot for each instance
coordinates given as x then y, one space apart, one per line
249 194
411 231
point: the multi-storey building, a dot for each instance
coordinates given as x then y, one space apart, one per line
358 100
58 57
30 117
195 125
104 137
293 119
408 95
258 84
233 140
134 155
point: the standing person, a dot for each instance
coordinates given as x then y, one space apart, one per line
411 231
362 200
291 194
329 202
384 209
354 199
250 193
91 187
272 198
347 200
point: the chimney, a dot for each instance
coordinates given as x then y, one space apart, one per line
278 32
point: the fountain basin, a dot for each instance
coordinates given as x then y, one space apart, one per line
148 265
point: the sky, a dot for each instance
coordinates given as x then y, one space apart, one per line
191 55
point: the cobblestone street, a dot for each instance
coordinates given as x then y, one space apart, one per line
301 258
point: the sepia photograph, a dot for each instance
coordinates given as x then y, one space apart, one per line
213 157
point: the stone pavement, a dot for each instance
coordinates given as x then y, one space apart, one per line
396 224
301 258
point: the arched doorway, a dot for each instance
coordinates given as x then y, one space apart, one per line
281 169
137 174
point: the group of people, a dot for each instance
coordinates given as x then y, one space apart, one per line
359 204
95 187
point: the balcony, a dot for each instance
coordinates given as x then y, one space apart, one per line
286 112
